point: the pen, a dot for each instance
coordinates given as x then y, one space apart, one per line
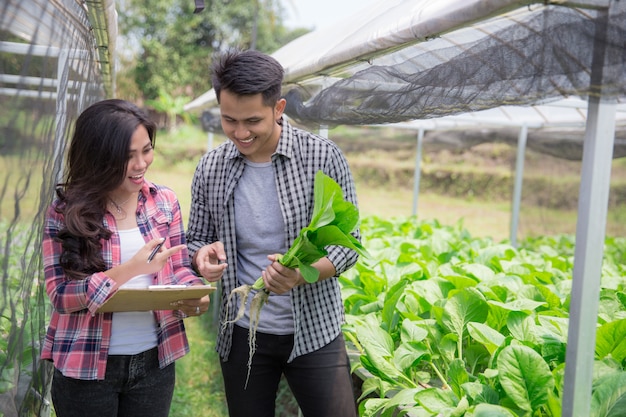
155 250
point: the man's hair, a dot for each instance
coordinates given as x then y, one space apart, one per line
247 72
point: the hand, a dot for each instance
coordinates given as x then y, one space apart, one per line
159 260
278 278
195 307
210 260
139 265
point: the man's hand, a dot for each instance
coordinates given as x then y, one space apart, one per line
278 278
210 260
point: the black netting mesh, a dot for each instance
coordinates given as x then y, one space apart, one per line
522 58
49 71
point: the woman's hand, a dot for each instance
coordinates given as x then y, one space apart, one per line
195 307
152 263
139 265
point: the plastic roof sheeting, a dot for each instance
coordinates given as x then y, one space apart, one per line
560 113
527 55
555 128
402 60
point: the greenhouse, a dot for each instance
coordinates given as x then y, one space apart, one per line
546 75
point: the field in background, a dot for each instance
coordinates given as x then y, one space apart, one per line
471 186
480 218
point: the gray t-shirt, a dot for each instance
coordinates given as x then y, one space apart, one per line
260 231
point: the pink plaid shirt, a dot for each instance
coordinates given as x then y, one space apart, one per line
78 338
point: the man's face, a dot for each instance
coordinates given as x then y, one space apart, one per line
251 125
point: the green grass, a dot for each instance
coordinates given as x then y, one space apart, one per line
20 186
199 389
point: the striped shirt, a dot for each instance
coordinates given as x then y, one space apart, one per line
77 340
317 308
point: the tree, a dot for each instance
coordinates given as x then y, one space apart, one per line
171 106
173 46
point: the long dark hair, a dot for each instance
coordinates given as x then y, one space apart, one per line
96 165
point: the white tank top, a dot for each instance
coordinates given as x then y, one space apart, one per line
133 332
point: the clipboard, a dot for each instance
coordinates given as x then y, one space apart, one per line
154 297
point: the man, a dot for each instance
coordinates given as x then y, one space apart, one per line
251 196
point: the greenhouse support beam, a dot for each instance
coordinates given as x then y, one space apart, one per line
590 235
593 199
418 170
61 112
323 131
210 138
517 188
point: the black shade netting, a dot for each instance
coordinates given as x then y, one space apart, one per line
519 59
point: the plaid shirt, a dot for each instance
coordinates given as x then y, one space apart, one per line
78 338
317 308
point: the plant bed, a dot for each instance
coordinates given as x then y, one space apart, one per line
360 376
445 324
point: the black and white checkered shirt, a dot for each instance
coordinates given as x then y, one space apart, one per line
318 308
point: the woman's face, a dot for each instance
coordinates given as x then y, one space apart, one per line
140 156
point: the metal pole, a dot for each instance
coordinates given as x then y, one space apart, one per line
590 235
61 113
418 170
210 141
519 178
323 132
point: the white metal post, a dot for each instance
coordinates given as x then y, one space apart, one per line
590 234
519 178
209 144
323 132
61 112
418 170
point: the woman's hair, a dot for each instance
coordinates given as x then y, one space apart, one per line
96 165
247 73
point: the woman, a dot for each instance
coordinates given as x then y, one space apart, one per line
98 235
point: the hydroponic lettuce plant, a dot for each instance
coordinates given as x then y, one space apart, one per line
332 222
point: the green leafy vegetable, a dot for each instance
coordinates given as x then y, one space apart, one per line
331 224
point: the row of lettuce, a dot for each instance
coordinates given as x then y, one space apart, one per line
444 324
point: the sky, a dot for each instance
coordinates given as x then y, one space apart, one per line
320 13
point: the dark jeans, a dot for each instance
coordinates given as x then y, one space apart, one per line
133 386
320 381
